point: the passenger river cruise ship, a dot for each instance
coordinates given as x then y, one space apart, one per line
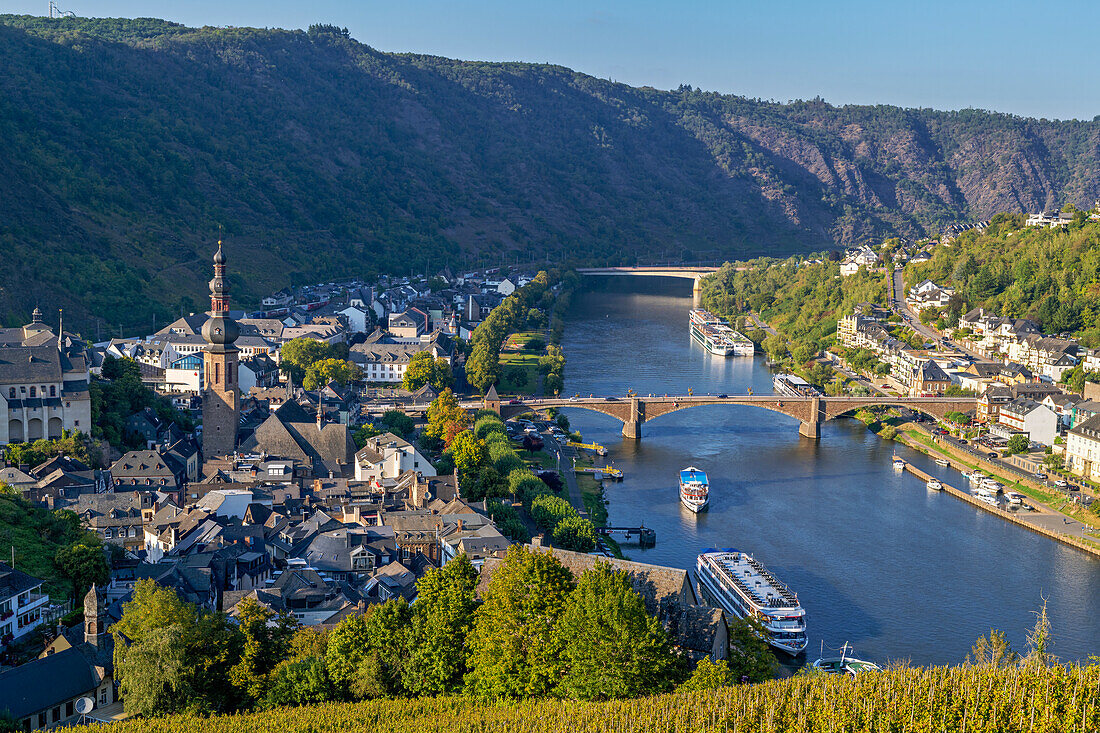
738 583
716 336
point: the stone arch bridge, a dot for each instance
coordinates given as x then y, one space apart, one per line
634 411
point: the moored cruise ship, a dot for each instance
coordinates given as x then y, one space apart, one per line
694 489
743 587
716 336
793 386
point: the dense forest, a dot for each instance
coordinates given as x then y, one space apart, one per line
1051 276
132 143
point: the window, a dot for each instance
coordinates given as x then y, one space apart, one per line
69 709
11 393
57 714
217 373
41 720
53 390
103 696
76 423
34 392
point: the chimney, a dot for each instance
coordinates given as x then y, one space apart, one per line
536 541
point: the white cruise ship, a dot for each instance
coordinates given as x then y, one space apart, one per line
793 386
716 336
694 489
743 587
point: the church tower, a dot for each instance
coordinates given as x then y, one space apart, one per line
220 399
95 618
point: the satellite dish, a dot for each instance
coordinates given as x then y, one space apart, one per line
84 705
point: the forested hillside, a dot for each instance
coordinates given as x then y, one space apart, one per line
127 143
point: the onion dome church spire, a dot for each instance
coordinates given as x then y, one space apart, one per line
220 330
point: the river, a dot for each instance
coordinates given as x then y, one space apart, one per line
877 559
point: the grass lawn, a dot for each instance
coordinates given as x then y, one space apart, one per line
519 362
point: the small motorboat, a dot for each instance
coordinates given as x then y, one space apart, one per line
898 463
845 663
935 484
943 462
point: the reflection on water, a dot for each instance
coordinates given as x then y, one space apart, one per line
875 557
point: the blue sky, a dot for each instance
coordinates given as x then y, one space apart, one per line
1024 57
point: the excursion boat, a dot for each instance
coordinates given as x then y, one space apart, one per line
694 489
716 336
845 663
943 462
935 484
743 587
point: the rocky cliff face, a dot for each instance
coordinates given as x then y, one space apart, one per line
129 143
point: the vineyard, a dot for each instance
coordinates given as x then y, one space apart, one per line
968 698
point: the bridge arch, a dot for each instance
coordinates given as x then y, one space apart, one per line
809 411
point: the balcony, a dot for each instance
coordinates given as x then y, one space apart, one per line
32 599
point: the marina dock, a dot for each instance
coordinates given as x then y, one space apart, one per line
1010 516
601 473
644 536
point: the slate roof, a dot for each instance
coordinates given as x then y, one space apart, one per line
46 682
289 432
656 584
30 364
13 582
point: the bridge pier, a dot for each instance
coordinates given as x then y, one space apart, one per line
697 293
632 427
812 428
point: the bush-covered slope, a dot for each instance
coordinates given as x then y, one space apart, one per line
908 700
127 143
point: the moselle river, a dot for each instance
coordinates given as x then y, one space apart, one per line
877 559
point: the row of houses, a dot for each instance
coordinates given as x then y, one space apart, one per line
912 368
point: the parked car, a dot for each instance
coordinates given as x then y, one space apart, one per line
1040 475
991 454
1073 487
1061 483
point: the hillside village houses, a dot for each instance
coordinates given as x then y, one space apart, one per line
271 500
856 258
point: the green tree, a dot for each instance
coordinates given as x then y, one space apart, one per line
348 647
363 433
709 675
320 373
170 657
300 682
1018 443
382 672
445 418
750 658
298 355
397 422
575 533
424 368
83 563
514 651
468 454
441 621
266 643
611 646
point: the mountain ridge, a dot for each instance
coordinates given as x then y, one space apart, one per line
319 156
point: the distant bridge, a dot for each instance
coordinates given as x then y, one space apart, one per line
809 411
687 272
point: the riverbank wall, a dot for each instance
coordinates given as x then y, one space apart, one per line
1006 515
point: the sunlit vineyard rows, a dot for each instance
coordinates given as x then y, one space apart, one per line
971 699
